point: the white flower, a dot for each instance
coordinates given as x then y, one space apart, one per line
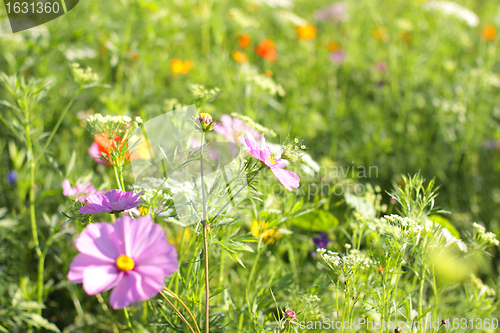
251 75
454 9
291 17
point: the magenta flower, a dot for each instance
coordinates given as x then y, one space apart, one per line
132 256
110 202
288 178
79 191
232 128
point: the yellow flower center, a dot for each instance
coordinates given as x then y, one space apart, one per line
125 263
272 160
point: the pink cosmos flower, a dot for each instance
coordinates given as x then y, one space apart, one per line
79 191
232 128
262 152
130 256
111 201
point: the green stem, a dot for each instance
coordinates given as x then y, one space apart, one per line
205 241
129 324
117 178
34 229
178 312
185 307
421 293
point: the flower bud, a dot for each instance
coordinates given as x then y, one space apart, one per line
290 314
205 121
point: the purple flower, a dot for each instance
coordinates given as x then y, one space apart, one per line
335 13
12 177
130 256
322 241
262 152
232 128
79 191
111 201
337 57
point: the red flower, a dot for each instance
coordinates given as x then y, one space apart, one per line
266 50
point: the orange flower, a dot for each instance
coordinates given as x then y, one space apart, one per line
244 41
489 32
240 57
105 144
334 47
266 50
181 67
268 72
380 34
307 31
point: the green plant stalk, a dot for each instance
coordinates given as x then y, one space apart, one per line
205 241
117 177
34 230
178 313
129 324
421 292
106 309
185 307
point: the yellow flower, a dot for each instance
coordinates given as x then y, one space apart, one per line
268 72
181 67
240 57
489 32
380 33
261 229
307 31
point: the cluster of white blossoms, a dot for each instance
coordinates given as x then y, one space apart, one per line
200 92
484 236
249 121
346 263
109 125
406 224
242 19
250 74
83 76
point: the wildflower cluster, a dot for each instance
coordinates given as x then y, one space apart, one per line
347 264
488 238
83 77
199 92
109 125
252 124
291 151
250 74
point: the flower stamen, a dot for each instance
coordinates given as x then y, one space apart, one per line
125 263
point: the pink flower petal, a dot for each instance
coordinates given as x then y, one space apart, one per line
288 178
97 279
96 241
79 264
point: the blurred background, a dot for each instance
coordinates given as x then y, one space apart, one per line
401 85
